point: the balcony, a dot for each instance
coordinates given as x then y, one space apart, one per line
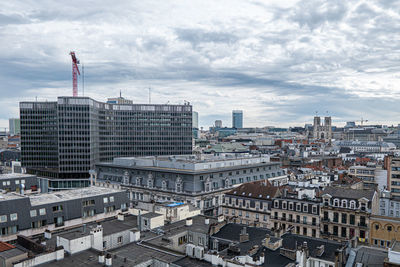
362 225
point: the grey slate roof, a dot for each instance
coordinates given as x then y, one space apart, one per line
349 193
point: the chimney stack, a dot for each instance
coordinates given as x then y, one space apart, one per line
207 221
244 236
189 221
108 260
101 257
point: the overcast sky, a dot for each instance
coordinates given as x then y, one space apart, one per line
278 61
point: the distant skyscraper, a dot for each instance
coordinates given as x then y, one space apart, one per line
14 126
218 124
237 119
195 120
65 138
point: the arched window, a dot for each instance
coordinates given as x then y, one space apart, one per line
344 203
336 202
352 204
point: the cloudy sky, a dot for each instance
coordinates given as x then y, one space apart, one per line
279 61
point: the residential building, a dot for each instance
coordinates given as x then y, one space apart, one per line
66 138
384 230
200 180
370 175
20 183
301 216
393 171
389 205
33 214
237 119
236 245
250 203
345 213
14 126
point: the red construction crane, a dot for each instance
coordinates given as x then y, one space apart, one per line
75 73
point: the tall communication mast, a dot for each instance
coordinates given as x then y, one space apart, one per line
75 73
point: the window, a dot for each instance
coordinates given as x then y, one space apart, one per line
344 218
276 204
33 213
22 181
352 204
105 200
305 219
42 211
13 216
305 208
336 217
190 238
247 215
240 212
112 199
3 218
389 228
284 205
352 219
336 202
57 208
376 226
200 240
314 210
344 203
120 240
298 207
343 231
290 206
16 181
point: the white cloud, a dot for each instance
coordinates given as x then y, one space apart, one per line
279 61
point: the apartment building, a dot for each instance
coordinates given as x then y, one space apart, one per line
345 213
301 216
250 203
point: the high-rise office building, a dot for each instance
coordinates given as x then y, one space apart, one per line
218 124
237 119
195 120
64 139
14 126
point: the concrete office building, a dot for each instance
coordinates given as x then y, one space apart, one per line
218 124
237 119
200 180
64 139
14 126
31 215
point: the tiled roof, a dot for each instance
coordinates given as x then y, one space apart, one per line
5 246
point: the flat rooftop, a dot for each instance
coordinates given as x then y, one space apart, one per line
129 255
15 176
55 197
191 163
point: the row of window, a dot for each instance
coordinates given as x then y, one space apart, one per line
299 206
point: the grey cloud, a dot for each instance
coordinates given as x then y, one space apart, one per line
198 36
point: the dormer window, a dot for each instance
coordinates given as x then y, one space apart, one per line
344 203
336 202
276 204
284 205
352 204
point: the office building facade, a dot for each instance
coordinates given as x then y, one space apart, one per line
237 119
65 139
200 180
14 126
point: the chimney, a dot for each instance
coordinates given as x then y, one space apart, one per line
266 240
189 221
207 221
47 234
244 236
101 257
220 218
120 217
108 260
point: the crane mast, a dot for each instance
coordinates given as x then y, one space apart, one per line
75 73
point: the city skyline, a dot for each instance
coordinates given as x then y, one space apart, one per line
278 62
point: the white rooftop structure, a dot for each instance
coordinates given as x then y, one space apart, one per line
192 162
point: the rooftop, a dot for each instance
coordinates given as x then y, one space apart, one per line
258 189
349 193
55 197
15 176
129 255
